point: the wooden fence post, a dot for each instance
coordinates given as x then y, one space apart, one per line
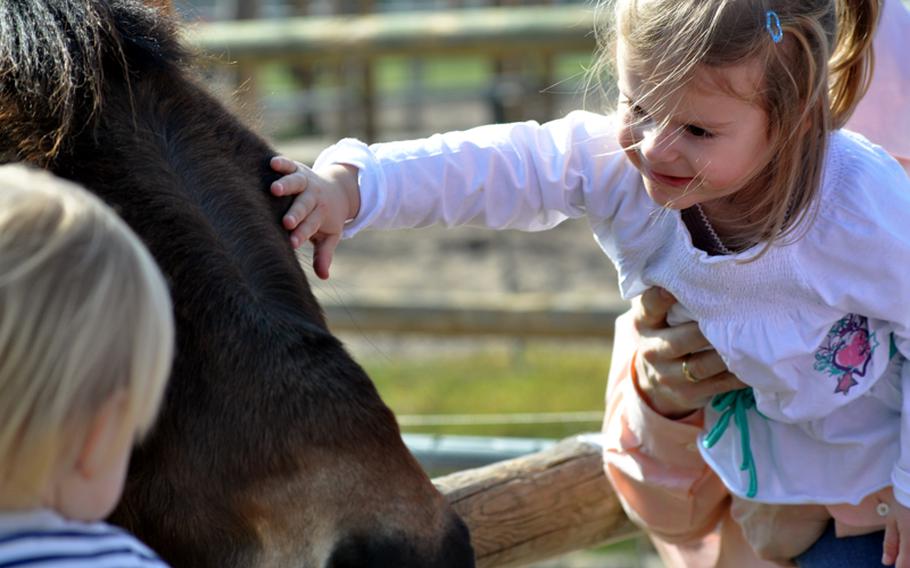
538 506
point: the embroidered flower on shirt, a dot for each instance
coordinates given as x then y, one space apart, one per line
846 352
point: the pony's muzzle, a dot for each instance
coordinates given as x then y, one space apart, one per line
395 551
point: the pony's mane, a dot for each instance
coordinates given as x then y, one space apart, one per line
52 56
98 91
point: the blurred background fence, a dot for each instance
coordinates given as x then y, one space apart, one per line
381 70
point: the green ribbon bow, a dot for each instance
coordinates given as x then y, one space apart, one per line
734 404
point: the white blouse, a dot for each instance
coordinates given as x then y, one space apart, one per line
812 326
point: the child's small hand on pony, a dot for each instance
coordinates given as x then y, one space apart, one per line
326 200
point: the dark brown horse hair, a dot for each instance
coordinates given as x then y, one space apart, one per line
100 92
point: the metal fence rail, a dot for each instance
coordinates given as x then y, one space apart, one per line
441 454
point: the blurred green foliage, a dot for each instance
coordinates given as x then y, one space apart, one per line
393 74
526 378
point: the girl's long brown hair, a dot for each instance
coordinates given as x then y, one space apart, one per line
812 81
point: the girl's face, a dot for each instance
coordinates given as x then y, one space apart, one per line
704 142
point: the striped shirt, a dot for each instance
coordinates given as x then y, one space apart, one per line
41 539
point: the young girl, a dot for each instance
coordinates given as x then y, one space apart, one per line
726 180
86 338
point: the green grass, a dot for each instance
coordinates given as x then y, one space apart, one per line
533 378
393 74
537 378
469 78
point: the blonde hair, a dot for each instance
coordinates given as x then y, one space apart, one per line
84 311
812 81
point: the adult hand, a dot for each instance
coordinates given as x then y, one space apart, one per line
663 349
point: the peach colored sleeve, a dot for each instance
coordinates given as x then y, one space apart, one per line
883 115
664 485
662 482
653 462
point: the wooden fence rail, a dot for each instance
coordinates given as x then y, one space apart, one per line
516 316
538 506
484 31
348 47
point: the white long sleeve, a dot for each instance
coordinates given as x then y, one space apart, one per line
520 176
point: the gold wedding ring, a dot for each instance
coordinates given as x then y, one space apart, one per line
687 373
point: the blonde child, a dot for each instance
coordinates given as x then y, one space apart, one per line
725 179
86 339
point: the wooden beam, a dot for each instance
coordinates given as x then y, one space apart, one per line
518 315
538 506
481 31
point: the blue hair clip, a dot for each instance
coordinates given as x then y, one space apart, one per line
772 24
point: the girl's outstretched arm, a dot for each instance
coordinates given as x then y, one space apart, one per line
524 176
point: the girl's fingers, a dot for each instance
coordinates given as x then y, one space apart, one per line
307 228
299 211
292 184
295 181
283 165
322 255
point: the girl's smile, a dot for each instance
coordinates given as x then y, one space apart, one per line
672 181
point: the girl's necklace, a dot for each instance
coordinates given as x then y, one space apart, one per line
711 232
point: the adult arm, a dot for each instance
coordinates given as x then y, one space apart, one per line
651 426
653 418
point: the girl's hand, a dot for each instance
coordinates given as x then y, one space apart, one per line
897 544
325 201
661 352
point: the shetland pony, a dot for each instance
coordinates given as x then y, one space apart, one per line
273 447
